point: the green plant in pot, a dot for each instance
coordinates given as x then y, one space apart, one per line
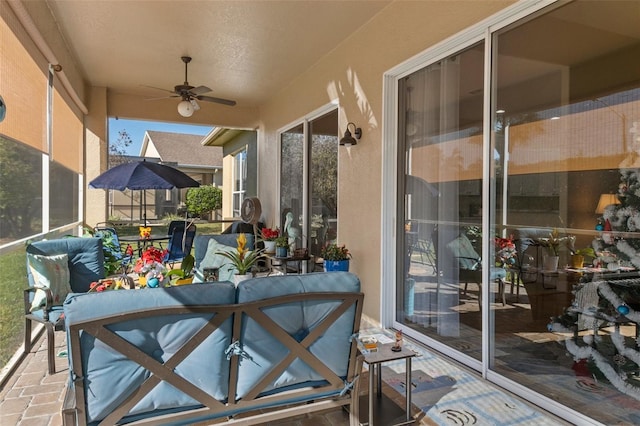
282 245
184 274
242 258
336 258
578 256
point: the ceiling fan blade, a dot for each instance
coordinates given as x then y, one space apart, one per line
194 104
162 97
199 90
158 88
217 100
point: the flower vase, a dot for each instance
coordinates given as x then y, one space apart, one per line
269 247
550 263
238 278
336 265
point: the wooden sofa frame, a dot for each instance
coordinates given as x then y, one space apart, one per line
249 410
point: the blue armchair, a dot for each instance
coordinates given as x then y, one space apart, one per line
55 268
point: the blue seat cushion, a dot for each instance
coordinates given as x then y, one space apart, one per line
298 320
159 336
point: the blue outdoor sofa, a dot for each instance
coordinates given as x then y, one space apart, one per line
209 352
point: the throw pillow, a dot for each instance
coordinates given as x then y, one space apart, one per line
212 259
463 250
50 272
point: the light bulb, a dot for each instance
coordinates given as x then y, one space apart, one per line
185 109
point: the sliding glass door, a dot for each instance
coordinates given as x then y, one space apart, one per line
519 149
309 182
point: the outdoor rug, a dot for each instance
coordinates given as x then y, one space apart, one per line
450 395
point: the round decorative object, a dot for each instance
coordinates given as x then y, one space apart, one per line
153 282
251 210
623 309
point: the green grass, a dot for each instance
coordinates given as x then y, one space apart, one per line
13 281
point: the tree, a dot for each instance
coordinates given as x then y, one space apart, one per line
203 200
20 189
118 149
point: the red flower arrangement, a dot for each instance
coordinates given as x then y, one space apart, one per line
505 250
150 264
269 234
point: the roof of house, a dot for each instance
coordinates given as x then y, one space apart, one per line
184 149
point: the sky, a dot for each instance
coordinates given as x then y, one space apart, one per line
136 129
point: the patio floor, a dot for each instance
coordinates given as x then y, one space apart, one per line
443 394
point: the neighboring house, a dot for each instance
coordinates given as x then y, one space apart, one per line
186 153
239 148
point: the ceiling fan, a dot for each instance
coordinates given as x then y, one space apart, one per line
190 94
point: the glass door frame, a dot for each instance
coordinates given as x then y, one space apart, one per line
393 208
305 122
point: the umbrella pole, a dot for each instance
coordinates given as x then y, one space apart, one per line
144 206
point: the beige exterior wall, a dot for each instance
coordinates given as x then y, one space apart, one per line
352 74
95 162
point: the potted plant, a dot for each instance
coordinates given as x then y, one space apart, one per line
184 274
552 244
578 256
336 258
282 246
242 259
269 236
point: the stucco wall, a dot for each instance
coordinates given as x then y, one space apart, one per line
352 75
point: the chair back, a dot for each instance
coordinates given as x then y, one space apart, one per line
85 259
180 242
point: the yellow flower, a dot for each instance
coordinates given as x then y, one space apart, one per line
242 246
145 232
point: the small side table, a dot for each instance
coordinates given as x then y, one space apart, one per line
375 360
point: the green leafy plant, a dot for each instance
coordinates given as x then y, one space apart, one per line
585 251
185 270
242 259
203 200
335 252
111 250
282 241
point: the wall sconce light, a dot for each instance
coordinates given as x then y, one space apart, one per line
185 108
606 200
349 140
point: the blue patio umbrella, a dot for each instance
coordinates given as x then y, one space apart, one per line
143 175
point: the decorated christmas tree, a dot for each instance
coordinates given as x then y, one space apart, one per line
603 304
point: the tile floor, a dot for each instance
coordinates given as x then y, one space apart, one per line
31 397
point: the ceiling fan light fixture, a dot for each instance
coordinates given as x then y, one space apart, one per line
185 109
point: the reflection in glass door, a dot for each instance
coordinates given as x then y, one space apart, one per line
309 182
441 272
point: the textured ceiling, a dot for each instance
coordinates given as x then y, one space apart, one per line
243 50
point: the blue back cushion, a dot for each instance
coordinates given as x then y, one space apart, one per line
113 376
86 259
298 319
